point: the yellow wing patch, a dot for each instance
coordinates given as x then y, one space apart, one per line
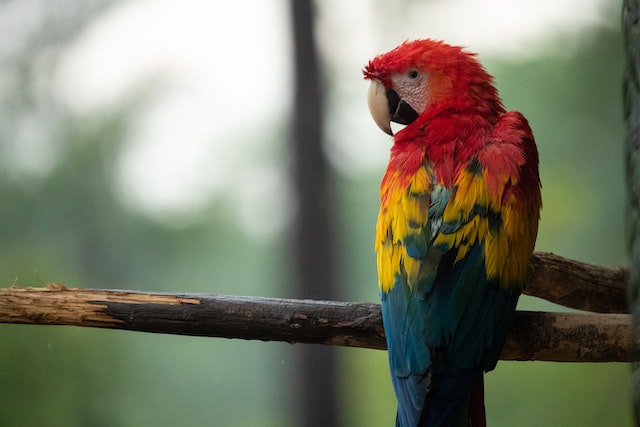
506 226
463 221
403 215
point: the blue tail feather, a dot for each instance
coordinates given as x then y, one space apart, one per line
441 342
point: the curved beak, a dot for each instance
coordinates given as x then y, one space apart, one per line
386 106
379 106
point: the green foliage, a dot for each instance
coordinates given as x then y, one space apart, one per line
70 228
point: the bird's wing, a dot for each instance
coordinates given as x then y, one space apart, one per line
457 257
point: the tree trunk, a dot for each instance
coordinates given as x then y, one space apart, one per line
313 262
631 96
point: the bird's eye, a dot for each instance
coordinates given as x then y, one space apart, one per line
413 74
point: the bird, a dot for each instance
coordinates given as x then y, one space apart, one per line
459 210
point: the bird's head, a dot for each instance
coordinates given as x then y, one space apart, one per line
421 74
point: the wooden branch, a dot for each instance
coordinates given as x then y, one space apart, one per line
577 284
535 336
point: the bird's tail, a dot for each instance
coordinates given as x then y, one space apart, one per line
477 415
470 410
462 408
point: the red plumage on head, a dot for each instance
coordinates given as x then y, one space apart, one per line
455 72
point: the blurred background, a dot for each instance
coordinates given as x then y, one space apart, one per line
151 145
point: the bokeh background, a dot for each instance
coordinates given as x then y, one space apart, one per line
145 145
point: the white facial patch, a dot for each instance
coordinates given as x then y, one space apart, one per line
411 86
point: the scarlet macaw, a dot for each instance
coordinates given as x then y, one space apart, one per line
459 209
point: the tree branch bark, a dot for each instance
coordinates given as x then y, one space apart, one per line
577 284
567 337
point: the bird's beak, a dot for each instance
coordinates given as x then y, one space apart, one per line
386 106
379 106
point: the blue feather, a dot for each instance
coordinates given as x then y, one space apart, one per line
442 336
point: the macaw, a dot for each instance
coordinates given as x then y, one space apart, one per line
459 208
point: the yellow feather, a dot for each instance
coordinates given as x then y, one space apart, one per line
404 211
507 246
